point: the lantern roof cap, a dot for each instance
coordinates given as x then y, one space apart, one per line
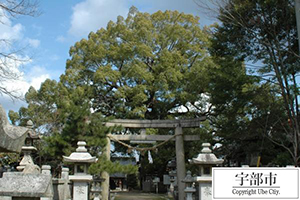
188 178
206 157
81 155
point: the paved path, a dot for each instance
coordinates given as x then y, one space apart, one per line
140 196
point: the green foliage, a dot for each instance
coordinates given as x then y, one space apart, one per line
8 158
132 181
265 32
142 66
255 28
13 116
111 167
244 110
63 117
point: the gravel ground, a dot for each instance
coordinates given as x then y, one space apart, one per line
140 196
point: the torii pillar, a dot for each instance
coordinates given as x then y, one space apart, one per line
179 140
180 162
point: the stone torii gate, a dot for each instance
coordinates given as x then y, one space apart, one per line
178 125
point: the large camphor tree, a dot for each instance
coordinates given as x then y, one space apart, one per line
143 66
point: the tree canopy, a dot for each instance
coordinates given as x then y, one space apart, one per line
264 33
143 66
147 66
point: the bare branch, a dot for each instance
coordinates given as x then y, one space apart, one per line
15 8
11 58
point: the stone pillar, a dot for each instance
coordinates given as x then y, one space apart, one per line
180 162
81 188
65 173
46 169
65 190
105 175
156 182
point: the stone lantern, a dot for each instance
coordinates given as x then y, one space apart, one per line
96 187
205 160
189 189
28 149
81 179
173 179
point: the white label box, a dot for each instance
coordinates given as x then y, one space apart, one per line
255 183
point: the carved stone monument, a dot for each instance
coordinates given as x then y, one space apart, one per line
11 137
29 183
32 186
81 179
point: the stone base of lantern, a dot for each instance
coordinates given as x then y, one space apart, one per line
189 192
80 186
205 190
201 179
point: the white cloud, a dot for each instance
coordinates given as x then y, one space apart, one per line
91 15
8 32
11 32
33 78
36 81
187 6
12 36
60 39
34 42
20 86
54 57
12 39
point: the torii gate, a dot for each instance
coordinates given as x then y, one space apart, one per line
179 139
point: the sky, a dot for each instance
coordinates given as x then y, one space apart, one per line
48 37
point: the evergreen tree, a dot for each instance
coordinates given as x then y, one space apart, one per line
264 32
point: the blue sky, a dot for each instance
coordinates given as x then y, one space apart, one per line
49 36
